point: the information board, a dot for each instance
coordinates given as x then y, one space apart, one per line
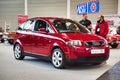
93 7
89 7
82 8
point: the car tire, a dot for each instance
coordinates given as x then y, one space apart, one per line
10 42
58 58
2 40
115 45
18 53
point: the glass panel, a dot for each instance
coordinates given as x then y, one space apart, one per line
66 25
29 25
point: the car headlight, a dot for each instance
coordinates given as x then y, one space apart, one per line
74 43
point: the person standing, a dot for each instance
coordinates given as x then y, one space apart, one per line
85 22
101 27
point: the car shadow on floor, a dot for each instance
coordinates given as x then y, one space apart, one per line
37 62
47 64
85 66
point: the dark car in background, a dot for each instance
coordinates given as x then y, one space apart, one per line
113 37
11 35
1 35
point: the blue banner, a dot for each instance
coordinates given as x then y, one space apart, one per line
82 9
93 7
90 7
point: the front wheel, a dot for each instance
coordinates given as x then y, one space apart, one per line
18 54
58 58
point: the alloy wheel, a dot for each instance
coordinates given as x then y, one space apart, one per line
18 52
58 59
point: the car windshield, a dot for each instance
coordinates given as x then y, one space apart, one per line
68 26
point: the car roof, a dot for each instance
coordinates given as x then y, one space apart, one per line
37 18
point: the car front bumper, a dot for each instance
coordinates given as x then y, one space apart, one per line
87 54
93 59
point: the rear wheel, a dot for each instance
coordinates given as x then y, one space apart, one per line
18 54
115 45
58 58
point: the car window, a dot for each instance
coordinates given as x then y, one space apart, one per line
64 25
27 25
49 28
21 26
43 24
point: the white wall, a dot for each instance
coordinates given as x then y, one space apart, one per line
56 8
118 7
9 9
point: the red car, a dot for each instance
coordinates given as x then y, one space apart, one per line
113 37
118 30
59 40
113 40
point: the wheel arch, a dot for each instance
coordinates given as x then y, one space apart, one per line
64 50
18 42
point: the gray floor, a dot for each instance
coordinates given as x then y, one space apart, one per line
35 69
112 74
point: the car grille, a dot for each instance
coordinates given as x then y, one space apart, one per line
94 43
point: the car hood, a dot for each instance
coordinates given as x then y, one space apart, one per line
81 36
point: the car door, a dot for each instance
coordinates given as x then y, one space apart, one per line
42 38
26 37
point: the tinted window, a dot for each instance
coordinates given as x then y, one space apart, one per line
64 25
21 26
48 28
27 25
43 24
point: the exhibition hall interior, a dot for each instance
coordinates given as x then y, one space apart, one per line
59 39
